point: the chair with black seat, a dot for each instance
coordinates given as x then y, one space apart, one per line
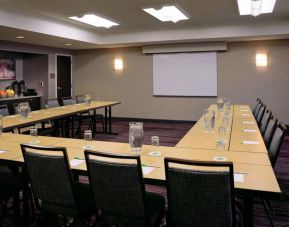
255 105
119 191
273 152
11 184
260 114
257 108
265 120
95 117
4 110
52 184
67 101
200 193
276 142
270 130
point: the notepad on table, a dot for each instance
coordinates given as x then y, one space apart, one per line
245 115
244 110
249 130
239 177
2 151
248 122
76 162
249 142
147 169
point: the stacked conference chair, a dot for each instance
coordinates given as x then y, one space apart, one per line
119 191
54 190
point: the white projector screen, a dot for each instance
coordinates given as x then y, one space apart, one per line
185 74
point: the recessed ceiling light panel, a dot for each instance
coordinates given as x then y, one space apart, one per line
94 20
19 37
255 7
167 13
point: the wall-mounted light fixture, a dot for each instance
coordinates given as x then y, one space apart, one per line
261 60
118 64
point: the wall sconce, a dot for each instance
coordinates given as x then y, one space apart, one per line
118 64
261 60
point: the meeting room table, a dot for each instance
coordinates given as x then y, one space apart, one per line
253 173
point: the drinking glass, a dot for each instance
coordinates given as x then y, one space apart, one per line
34 134
88 139
24 110
155 142
206 120
87 100
220 104
220 140
136 135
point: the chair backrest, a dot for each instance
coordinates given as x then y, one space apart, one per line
80 98
200 193
270 130
67 101
265 119
52 103
256 104
256 112
117 186
260 114
16 109
4 110
50 178
276 142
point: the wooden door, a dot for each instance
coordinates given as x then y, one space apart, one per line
63 76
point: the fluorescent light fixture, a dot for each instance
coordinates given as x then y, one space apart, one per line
167 13
261 60
19 37
94 20
68 44
118 64
255 7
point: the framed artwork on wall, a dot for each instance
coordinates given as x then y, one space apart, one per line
7 69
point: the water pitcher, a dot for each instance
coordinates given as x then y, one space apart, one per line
136 136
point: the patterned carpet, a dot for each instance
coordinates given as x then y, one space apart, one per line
170 134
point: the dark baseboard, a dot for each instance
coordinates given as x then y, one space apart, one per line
153 120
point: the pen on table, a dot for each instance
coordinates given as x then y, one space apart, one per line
78 158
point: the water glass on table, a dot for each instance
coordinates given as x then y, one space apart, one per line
220 139
136 135
34 134
155 143
88 139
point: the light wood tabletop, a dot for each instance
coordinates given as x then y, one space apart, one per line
14 121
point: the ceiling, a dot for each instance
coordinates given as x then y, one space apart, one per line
209 20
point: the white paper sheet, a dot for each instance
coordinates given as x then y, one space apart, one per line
239 177
249 130
76 162
147 169
250 142
244 110
245 115
248 122
2 151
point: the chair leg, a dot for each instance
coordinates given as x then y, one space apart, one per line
267 212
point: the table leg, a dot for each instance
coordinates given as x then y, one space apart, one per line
248 214
105 119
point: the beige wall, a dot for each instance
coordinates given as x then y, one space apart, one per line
238 79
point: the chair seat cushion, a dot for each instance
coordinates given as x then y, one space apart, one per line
9 183
155 205
84 199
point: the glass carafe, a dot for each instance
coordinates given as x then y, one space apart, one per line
136 135
24 110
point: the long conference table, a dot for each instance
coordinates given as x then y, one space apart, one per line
253 173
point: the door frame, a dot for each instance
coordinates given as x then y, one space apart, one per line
71 74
